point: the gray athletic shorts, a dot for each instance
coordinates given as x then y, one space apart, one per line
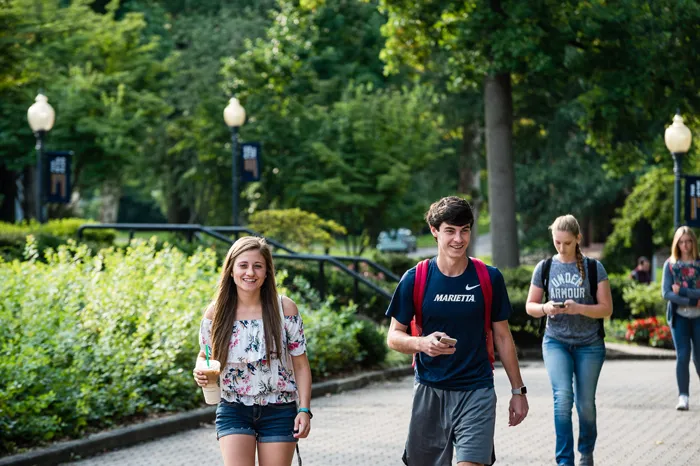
442 420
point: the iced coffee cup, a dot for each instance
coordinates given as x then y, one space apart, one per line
212 391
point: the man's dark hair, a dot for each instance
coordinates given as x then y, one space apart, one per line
453 210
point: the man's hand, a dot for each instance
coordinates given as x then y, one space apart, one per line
431 346
518 410
676 288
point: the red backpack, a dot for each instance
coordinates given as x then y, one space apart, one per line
419 291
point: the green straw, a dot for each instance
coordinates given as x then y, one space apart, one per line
206 351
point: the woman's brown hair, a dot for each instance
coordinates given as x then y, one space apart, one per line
569 224
676 250
226 301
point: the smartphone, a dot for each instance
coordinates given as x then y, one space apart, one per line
448 341
561 305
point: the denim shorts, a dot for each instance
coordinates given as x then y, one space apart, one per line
269 423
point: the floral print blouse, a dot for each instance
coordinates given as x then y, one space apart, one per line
687 275
247 378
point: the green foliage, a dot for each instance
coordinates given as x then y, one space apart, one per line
644 300
13 236
110 337
651 201
295 227
368 149
337 284
518 277
618 284
372 342
334 334
396 263
322 97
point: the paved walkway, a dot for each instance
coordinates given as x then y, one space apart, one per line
636 422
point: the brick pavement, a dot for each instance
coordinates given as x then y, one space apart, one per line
636 421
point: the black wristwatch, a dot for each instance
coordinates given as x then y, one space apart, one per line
307 411
519 391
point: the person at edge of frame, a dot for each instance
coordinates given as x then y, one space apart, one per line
680 286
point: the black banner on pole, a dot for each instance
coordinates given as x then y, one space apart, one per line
692 201
58 177
251 161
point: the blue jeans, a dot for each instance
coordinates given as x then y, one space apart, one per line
573 371
684 332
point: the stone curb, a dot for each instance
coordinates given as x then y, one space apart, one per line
150 430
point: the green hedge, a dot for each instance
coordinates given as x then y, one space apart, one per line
13 236
88 341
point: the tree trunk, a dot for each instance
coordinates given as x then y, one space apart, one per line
111 192
469 176
8 193
177 211
498 106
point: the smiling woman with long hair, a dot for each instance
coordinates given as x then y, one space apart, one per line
258 338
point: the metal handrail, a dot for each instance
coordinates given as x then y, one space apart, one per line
212 231
355 259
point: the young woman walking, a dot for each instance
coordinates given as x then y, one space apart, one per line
258 338
681 288
579 298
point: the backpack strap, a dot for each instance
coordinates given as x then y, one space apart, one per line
546 267
419 284
592 271
487 289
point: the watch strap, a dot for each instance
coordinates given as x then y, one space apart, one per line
307 411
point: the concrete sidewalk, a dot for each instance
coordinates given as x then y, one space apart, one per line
637 425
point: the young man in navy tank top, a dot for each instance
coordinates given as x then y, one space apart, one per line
454 403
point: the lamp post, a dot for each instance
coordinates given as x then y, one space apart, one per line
678 139
234 116
41 117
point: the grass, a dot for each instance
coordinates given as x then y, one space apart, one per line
122 238
425 241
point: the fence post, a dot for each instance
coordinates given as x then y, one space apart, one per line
321 280
357 282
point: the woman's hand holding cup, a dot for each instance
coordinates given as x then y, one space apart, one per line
199 378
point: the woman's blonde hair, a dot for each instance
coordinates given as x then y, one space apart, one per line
226 301
569 224
676 250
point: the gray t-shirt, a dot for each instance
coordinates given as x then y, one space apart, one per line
565 283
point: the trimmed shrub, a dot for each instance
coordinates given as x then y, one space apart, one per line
644 300
13 236
396 263
373 349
